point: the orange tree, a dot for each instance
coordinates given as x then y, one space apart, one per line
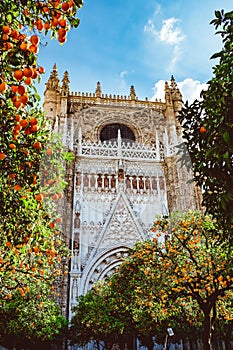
97 316
31 163
183 278
208 131
33 322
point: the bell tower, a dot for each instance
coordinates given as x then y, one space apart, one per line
126 171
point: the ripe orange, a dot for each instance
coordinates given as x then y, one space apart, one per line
15 34
21 90
34 49
62 39
12 146
62 22
41 70
28 81
35 74
39 197
34 39
24 123
18 74
33 121
24 99
14 88
37 145
3 86
17 103
65 6
5 37
202 129
28 72
54 22
39 25
2 156
46 25
17 187
24 46
17 118
6 29
34 128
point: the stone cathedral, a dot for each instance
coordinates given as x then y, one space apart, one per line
125 173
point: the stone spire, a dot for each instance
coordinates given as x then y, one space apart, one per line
65 84
98 90
132 93
53 82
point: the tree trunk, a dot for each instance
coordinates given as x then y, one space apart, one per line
207 333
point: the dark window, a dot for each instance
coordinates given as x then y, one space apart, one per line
110 133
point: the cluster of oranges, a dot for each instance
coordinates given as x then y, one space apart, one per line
57 21
29 126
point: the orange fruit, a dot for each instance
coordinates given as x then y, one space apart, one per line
21 90
39 197
6 29
61 32
34 128
17 118
202 129
18 74
61 39
41 70
12 146
2 156
33 121
34 39
34 49
49 152
17 187
65 6
62 22
17 103
24 123
3 86
28 81
24 46
35 74
54 22
14 88
37 145
24 99
28 72
46 25
15 34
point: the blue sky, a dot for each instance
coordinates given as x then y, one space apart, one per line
141 43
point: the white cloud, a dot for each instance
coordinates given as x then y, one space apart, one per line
170 34
123 74
190 89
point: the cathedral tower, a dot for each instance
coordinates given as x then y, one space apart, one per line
125 172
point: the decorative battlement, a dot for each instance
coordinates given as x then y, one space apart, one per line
172 95
99 98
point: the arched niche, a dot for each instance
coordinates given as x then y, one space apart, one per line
110 132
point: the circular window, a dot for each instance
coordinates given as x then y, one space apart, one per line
110 133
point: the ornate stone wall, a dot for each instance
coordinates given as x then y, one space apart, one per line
115 187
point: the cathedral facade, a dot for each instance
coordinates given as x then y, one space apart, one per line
126 171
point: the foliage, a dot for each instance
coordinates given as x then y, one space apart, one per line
208 130
31 164
30 320
182 278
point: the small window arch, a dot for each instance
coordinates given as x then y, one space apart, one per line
110 133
